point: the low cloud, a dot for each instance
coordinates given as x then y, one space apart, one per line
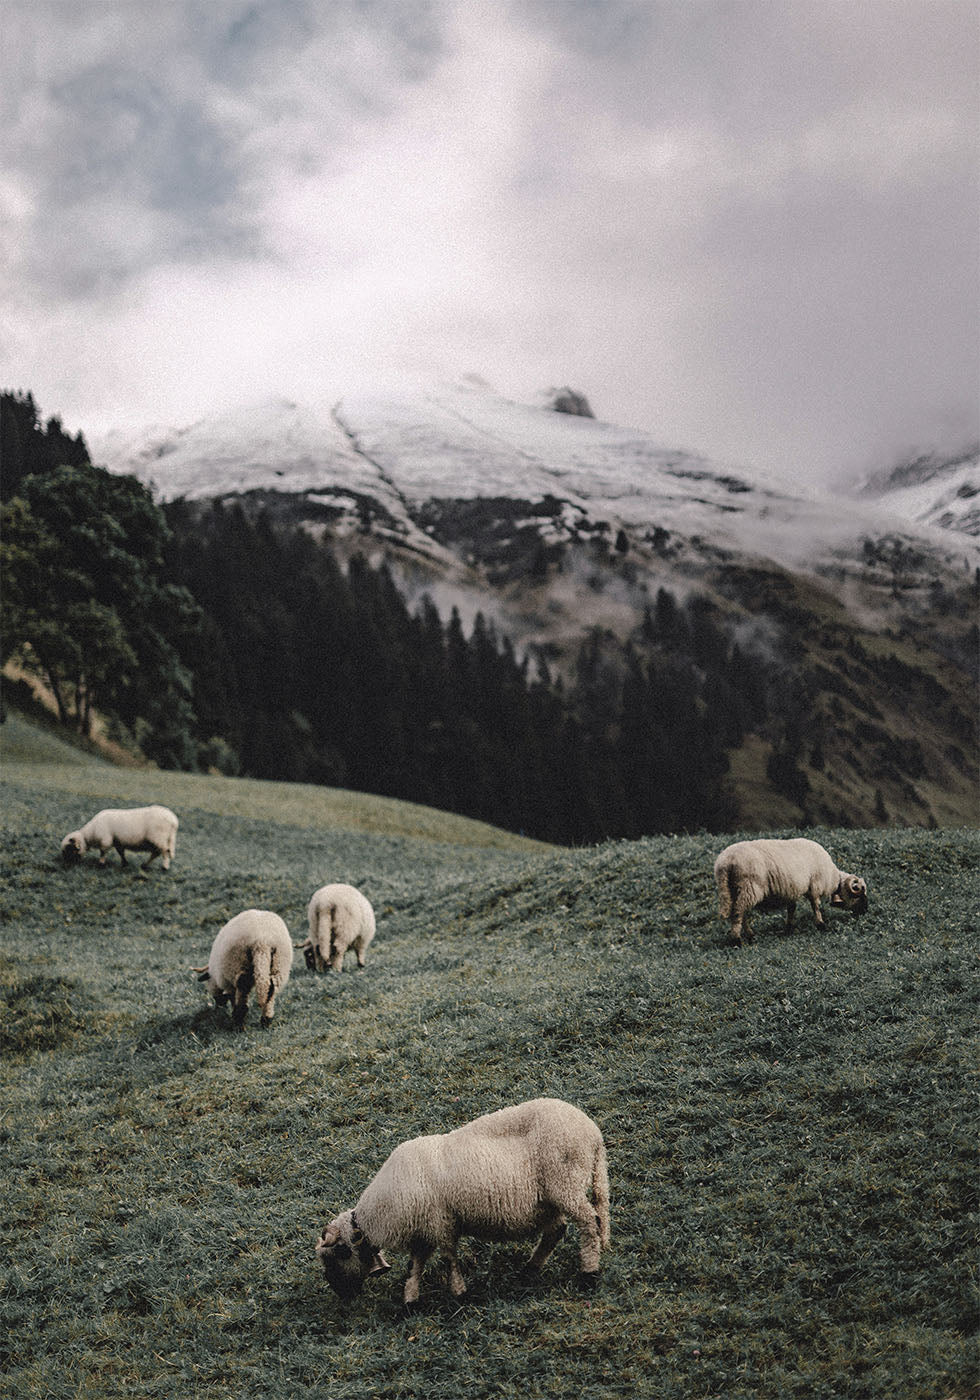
748 229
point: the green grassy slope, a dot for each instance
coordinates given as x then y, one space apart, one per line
37 759
792 1154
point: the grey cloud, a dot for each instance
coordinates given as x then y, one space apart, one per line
747 225
162 151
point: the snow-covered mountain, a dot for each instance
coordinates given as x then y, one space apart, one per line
394 459
932 489
556 524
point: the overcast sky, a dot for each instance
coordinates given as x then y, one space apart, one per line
747 226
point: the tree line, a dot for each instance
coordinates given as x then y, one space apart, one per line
221 641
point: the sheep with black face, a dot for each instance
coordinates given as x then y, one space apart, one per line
339 917
152 829
774 874
253 949
521 1171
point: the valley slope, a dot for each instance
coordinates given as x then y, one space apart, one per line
557 526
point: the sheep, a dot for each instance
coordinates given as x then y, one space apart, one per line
340 918
502 1176
772 874
152 829
253 949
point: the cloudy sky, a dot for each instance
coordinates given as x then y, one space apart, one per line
748 226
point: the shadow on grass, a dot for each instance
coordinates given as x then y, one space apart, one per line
170 1033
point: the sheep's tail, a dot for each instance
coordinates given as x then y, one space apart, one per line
262 973
726 890
600 1193
325 929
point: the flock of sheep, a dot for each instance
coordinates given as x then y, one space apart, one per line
521 1171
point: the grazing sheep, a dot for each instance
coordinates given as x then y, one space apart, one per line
503 1176
152 829
340 918
774 874
253 949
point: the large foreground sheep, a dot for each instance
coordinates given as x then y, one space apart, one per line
152 829
774 874
503 1176
253 949
339 918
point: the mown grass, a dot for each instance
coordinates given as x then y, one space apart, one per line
790 1127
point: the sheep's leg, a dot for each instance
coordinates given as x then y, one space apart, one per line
735 925
337 951
814 899
741 916
242 988
790 915
152 856
269 1010
360 955
552 1233
457 1284
421 1253
589 1243
742 925
122 853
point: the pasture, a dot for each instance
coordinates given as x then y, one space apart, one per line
791 1127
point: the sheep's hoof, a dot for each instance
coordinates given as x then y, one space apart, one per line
588 1281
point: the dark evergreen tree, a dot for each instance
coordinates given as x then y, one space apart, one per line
27 447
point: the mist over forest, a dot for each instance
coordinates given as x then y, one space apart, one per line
226 636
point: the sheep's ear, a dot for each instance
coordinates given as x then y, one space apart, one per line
202 972
379 1265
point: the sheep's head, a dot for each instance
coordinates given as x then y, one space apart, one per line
308 953
73 847
348 1257
851 893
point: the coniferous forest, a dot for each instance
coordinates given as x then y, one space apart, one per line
308 672
214 638
219 641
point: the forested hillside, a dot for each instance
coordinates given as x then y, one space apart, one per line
216 636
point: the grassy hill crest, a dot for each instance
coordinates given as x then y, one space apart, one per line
790 1127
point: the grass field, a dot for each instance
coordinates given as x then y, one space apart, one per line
791 1127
